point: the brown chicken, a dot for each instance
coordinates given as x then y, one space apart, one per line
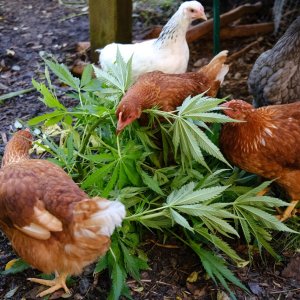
51 222
168 91
267 143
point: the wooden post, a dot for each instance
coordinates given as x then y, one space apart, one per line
110 21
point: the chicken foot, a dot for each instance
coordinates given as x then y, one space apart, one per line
289 211
263 192
56 284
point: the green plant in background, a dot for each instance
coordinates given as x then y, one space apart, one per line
171 177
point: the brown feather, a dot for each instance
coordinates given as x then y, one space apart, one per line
51 222
267 143
168 91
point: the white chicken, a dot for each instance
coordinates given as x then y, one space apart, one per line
168 53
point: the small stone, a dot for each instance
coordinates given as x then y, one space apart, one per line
237 76
84 285
16 68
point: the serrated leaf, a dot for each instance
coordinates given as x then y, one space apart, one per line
216 269
49 99
222 245
118 281
91 179
176 195
150 182
133 264
86 75
112 182
269 220
63 73
179 219
200 195
101 265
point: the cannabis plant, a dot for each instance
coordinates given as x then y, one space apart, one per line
172 177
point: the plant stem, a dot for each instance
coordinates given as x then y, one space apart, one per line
118 144
84 144
147 212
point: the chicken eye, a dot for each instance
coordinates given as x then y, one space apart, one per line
192 10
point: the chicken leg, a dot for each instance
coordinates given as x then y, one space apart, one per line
263 192
56 284
288 211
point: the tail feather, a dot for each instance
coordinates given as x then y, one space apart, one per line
97 217
216 69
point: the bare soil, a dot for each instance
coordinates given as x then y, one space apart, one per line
28 27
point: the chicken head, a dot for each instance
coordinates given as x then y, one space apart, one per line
193 10
237 109
126 114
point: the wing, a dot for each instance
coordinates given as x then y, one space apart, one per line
258 78
276 90
36 198
283 135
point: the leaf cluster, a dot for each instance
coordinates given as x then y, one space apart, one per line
168 174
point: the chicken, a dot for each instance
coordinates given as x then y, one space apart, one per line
51 223
275 77
266 144
167 91
168 53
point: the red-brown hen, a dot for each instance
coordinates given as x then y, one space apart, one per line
267 143
167 91
51 222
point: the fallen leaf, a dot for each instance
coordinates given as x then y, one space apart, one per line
11 293
138 289
222 296
10 264
193 277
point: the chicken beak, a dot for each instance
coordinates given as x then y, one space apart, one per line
202 15
118 130
120 124
225 105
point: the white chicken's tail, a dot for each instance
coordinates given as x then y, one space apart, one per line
216 69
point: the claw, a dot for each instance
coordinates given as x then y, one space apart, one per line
55 284
289 211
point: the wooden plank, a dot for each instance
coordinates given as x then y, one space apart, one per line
200 30
110 21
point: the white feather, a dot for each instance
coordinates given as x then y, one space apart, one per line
169 53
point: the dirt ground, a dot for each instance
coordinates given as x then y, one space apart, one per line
29 27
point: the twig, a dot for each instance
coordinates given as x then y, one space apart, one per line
164 245
199 30
239 53
72 16
142 280
4 137
244 30
195 32
285 291
14 94
164 283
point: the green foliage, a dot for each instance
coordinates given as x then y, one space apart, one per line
18 266
171 174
